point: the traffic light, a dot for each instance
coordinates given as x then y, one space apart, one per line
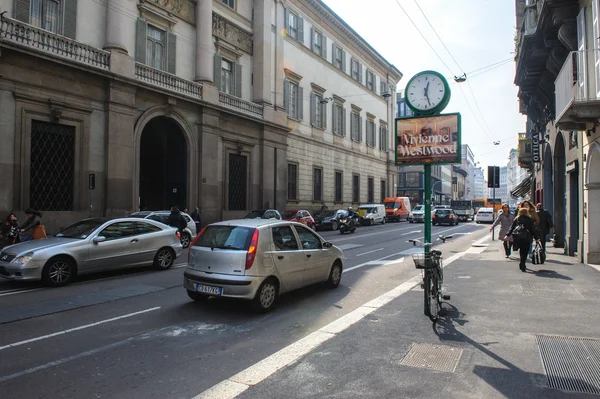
493 177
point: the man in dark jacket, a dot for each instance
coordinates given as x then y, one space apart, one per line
34 218
545 223
175 219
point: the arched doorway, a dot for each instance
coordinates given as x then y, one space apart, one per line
592 185
163 165
560 192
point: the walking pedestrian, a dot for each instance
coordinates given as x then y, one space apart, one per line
175 219
545 224
33 223
196 218
505 220
10 233
523 232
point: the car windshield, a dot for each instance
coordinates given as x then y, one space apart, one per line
80 230
390 205
329 213
366 210
226 237
443 212
289 214
419 208
255 215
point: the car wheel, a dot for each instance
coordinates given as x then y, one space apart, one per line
335 275
196 296
59 271
372 222
334 226
383 221
164 258
185 240
266 296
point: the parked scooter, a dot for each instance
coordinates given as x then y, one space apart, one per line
348 222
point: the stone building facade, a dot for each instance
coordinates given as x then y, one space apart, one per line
188 103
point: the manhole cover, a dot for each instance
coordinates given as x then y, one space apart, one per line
571 364
550 290
433 357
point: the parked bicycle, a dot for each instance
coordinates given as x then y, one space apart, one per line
431 263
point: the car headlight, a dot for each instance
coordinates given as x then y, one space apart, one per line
21 260
410 214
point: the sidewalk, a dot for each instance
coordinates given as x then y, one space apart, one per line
504 334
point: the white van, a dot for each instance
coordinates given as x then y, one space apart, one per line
371 214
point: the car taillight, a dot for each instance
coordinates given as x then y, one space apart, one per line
194 241
178 234
433 216
252 250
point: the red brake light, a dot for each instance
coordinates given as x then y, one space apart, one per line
178 234
194 241
252 250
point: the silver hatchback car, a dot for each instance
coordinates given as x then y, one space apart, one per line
91 245
163 216
258 259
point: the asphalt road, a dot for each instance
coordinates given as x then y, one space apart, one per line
136 334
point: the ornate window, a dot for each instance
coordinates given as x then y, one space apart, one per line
45 14
292 192
155 47
238 178
355 188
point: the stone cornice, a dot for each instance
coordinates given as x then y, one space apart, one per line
329 16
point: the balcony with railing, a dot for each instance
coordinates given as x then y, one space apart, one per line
166 81
577 90
29 37
525 159
237 104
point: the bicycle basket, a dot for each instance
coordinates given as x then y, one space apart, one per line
429 261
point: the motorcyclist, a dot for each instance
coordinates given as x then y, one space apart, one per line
351 213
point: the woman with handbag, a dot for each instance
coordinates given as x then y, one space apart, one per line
10 234
505 220
523 231
33 223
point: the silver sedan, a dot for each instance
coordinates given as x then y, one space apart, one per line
92 245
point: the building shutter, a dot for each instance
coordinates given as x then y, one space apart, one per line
70 20
217 71
581 59
360 129
333 54
595 12
286 95
343 121
360 73
300 102
343 60
238 79
334 128
286 21
313 108
140 41
171 53
22 10
324 115
324 47
301 30
312 39
352 136
350 70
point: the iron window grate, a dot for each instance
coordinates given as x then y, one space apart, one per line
238 172
52 168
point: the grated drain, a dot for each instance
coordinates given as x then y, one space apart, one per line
550 290
432 357
571 363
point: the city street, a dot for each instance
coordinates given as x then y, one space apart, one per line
137 334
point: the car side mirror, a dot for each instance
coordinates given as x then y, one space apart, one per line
99 239
327 244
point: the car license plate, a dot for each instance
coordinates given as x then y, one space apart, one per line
207 289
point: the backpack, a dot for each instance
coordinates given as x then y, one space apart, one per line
520 233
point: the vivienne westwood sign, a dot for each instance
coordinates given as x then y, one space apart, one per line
428 139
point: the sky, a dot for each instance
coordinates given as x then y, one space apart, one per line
479 36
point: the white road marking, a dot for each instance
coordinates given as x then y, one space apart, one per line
411 232
77 328
235 385
370 252
19 291
374 262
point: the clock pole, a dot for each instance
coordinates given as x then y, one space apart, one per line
426 81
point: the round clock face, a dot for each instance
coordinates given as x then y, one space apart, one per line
427 92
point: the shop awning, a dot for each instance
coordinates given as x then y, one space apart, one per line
522 188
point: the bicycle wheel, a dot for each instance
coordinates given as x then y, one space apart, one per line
434 295
426 293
